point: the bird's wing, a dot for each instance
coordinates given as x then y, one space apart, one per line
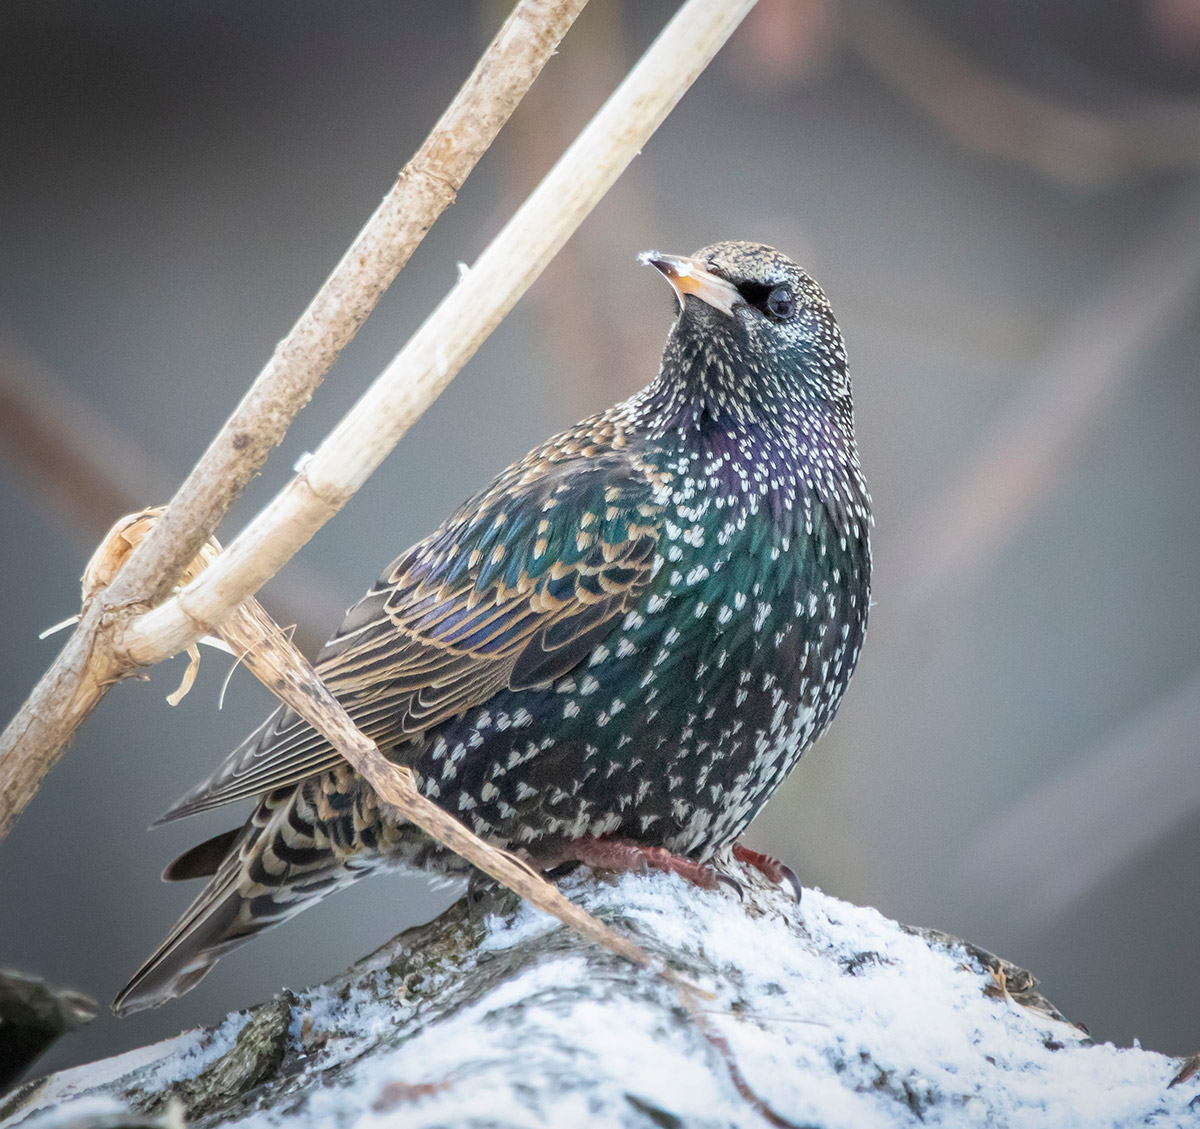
514 590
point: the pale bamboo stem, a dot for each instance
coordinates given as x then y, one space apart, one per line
264 648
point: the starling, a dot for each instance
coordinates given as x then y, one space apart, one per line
612 655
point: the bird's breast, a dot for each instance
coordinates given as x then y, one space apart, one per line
736 656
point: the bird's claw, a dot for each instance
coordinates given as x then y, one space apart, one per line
732 883
770 868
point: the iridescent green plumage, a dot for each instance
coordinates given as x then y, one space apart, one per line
632 635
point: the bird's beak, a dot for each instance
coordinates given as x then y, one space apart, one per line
690 276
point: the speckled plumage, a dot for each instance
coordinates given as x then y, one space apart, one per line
634 632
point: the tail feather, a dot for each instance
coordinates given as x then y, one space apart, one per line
202 860
186 956
274 867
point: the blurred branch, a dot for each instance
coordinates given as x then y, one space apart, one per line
84 470
943 552
786 40
87 665
87 473
1070 833
995 116
32 1016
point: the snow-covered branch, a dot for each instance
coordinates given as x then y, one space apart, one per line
494 1015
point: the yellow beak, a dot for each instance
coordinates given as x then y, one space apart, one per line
690 276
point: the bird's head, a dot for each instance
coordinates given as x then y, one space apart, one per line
750 318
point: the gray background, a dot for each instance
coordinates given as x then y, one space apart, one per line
1013 264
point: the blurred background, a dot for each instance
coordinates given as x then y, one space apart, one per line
1002 199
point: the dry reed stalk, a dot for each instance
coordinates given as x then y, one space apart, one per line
87 665
448 337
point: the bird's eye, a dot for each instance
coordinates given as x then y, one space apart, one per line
781 303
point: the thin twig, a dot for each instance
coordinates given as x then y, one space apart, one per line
86 472
426 186
87 664
268 653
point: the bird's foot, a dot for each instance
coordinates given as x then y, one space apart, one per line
621 855
769 867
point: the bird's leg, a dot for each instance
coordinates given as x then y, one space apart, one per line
620 854
769 867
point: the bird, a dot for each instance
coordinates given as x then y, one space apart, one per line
611 656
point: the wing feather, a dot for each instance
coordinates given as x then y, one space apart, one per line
481 605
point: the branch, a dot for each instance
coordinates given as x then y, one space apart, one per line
84 471
842 1017
274 660
87 666
449 336
597 342
427 185
268 653
995 115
